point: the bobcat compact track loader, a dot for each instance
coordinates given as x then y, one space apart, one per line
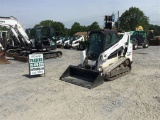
106 57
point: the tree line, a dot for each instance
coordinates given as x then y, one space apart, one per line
128 21
61 30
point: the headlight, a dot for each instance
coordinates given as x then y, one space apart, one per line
100 68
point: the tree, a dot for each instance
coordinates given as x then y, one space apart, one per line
84 28
58 26
76 27
133 18
45 23
156 29
67 31
94 26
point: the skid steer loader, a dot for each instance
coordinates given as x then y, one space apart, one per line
105 58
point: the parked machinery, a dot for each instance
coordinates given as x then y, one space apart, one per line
139 38
23 45
67 40
106 57
74 42
42 38
153 39
59 41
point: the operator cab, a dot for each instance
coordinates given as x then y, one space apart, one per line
75 37
100 41
41 38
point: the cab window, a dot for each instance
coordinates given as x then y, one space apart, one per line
111 39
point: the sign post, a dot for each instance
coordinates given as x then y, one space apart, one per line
36 64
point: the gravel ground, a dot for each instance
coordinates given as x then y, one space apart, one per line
135 96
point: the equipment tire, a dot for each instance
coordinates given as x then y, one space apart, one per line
146 44
135 45
81 46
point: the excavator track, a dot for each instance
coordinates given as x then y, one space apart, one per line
118 69
24 58
53 54
17 57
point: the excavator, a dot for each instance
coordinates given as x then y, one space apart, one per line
106 57
22 45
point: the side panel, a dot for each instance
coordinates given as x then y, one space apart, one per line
129 53
124 45
82 56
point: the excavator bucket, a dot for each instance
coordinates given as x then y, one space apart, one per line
82 77
3 59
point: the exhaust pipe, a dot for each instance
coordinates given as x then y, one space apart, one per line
82 77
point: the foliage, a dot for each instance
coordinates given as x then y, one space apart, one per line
76 27
94 26
129 20
58 26
156 29
133 18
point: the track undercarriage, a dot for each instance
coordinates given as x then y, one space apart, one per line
118 69
22 55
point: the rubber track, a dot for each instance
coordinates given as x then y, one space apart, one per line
25 58
108 70
52 54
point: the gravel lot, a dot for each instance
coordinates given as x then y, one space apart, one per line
135 96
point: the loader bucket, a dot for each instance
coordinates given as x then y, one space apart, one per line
82 77
3 59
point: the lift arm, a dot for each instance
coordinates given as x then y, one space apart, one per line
16 29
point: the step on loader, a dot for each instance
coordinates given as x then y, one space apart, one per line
106 57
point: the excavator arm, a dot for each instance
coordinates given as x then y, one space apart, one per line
18 31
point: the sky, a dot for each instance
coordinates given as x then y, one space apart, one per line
85 12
